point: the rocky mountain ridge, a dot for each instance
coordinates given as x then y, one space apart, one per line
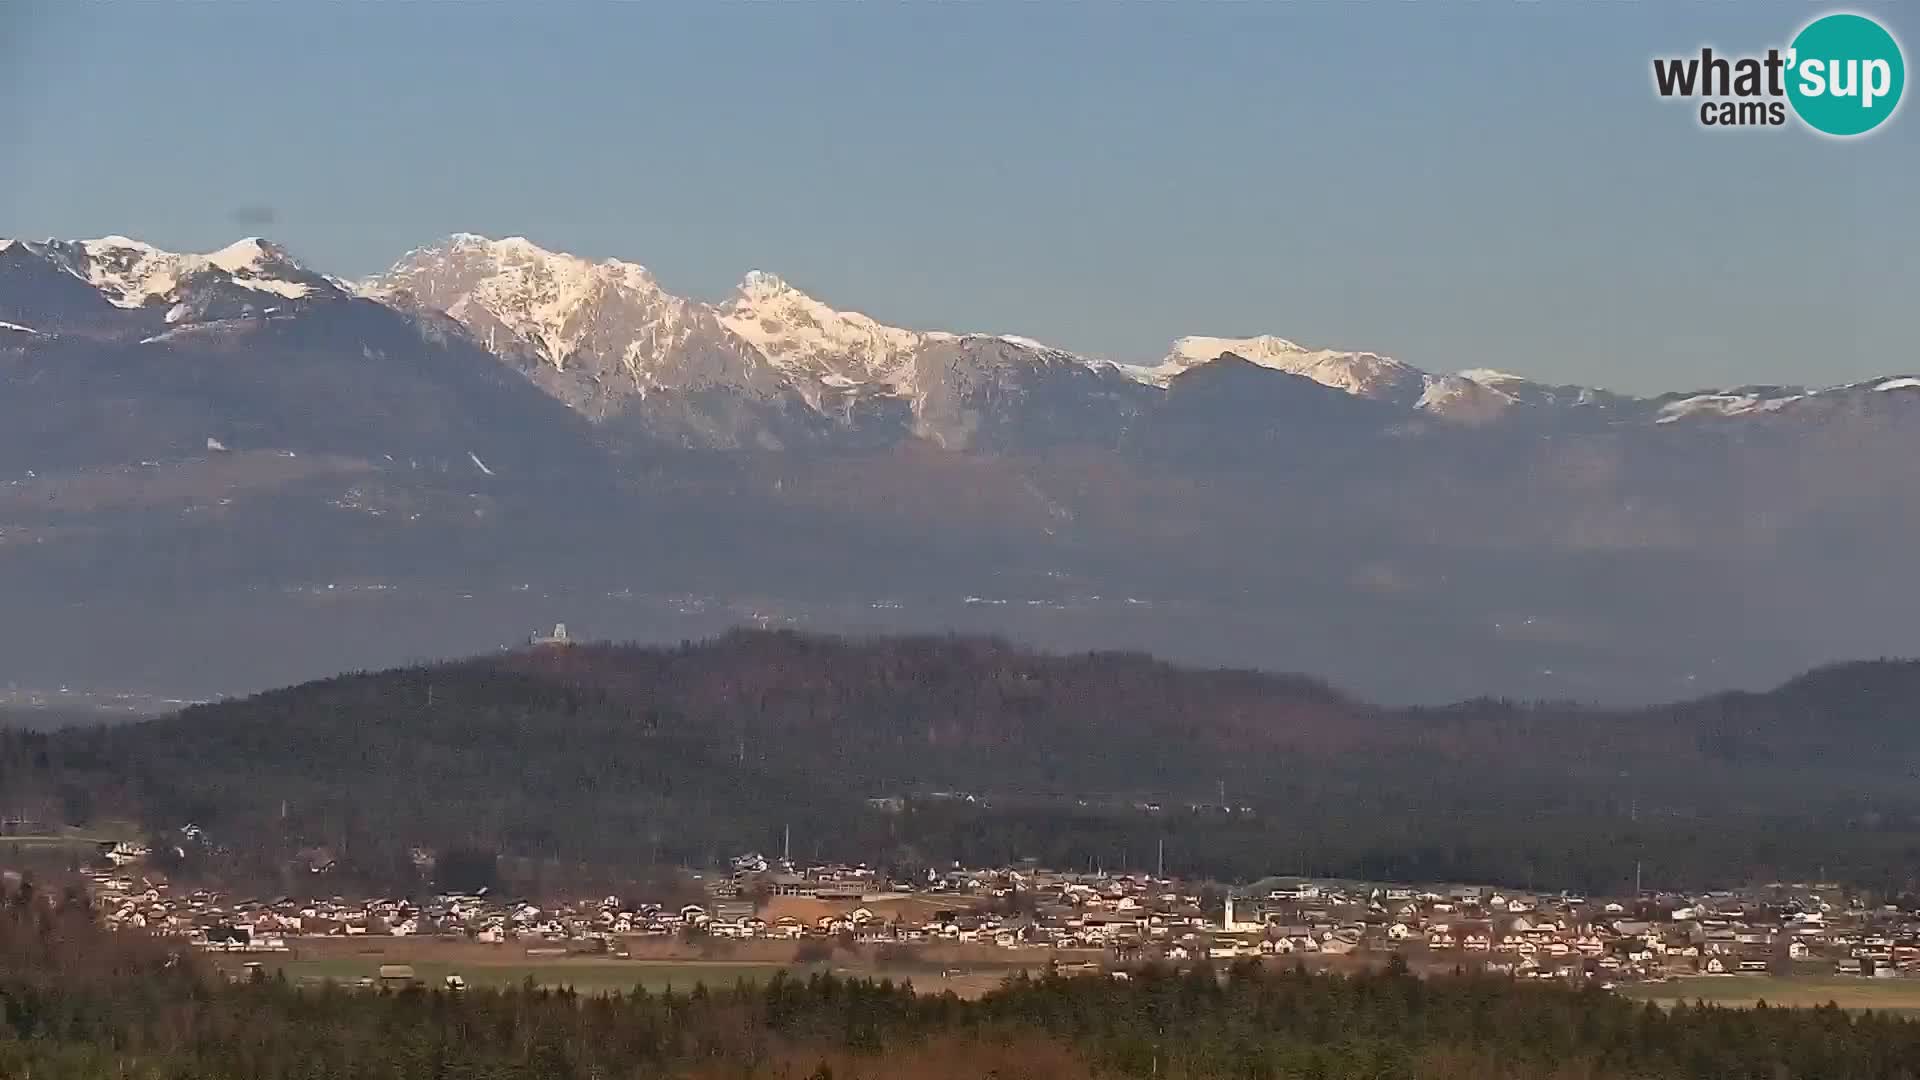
772 367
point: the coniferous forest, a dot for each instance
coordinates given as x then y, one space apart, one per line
78 1002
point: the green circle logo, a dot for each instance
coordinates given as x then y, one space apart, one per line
1845 74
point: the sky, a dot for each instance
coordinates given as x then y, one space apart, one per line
1493 185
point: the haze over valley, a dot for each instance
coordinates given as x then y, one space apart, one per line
230 471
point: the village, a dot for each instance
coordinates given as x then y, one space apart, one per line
1083 922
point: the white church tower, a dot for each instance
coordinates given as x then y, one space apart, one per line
1229 924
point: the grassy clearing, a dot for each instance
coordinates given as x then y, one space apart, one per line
26 844
587 975
598 975
1894 995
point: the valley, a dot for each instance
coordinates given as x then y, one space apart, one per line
199 445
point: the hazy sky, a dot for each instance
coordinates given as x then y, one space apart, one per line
1485 186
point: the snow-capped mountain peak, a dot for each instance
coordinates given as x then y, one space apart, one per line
807 338
134 274
1262 349
598 332
250 253
263 266
760 285
131 273
515 288
1361 373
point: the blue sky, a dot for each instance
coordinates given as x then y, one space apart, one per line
1493 185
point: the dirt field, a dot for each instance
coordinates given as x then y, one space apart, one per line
1892 995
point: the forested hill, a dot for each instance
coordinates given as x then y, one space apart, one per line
625 756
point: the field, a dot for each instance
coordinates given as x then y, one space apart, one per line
1887 995
314 961
48 843
585 975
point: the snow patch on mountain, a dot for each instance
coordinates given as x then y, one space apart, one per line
1729 403
1492 377
1760 400
1441 393
17 326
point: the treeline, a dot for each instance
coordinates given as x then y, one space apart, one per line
80 1003
623 758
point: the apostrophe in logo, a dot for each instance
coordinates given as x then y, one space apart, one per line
1842 75
1845 74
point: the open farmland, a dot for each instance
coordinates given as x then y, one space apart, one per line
351 960
1894 995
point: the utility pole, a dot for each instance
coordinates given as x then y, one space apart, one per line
1160 863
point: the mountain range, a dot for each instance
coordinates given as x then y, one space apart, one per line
258 472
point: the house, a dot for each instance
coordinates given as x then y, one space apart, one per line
124 852
733 910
